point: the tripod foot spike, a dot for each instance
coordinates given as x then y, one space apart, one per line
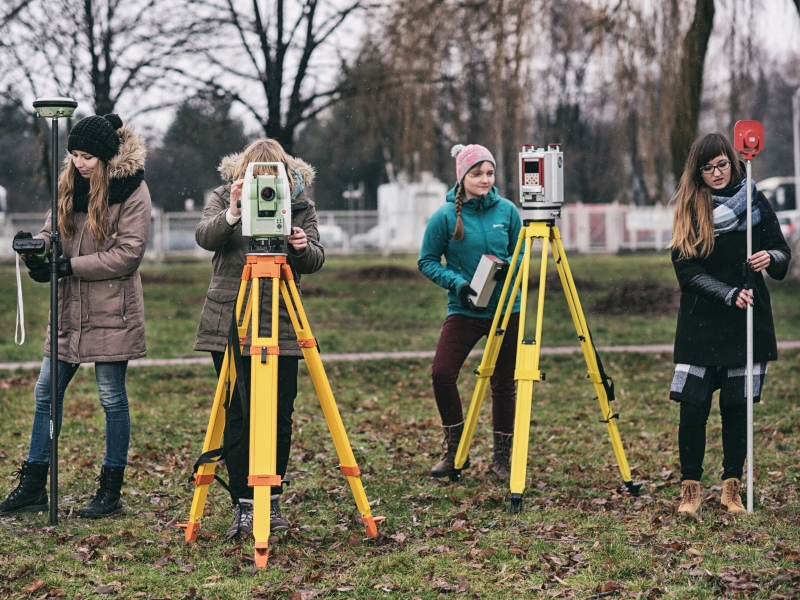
515 506
191 531
455 475
371 525
633 487
261 554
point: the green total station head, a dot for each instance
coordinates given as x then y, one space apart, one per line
267 209
54 108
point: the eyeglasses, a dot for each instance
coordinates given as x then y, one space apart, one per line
722 165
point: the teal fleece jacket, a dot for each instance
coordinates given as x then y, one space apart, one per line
491 226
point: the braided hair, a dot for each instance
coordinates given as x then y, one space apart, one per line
458 232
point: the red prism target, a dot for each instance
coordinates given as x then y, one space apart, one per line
748 138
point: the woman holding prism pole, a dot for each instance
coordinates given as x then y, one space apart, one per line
104 218
709 254
475 220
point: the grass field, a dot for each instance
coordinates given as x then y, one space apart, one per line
370 303
579 534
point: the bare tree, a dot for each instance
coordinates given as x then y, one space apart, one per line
98 50
690 84
274 62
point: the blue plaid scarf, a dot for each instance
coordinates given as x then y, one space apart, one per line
730 207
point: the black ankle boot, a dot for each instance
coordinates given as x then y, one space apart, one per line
30 494
501 454
447 466
107 500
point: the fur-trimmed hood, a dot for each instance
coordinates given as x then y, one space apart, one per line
125 171
228 164
129 159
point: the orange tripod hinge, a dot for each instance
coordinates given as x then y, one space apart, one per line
353 471
286 273
258 480
307 343
191 530
263 267
261 551
203 479
371 524
270 350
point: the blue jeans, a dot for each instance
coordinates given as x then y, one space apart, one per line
113 398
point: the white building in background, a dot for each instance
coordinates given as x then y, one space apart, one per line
403 212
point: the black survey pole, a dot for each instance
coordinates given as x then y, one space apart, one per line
54 108
55 252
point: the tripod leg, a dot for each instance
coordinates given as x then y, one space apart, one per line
489 359
527 372
263 420
214 432
592 361
333 418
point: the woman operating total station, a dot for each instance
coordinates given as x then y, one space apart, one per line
709 250
104 220
220 231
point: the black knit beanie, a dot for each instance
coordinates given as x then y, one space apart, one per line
96 136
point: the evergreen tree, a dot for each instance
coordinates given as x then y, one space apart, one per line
185 166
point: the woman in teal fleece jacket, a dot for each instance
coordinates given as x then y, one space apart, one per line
474 221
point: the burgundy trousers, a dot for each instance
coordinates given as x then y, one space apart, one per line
460 333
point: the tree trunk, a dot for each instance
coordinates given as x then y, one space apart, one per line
690 84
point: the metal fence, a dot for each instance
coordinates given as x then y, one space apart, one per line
586 228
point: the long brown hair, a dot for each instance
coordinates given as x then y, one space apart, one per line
693 219
264 150
98 200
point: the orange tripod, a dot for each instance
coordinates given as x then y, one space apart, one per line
264 402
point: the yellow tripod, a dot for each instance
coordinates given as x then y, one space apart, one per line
264 403
528 351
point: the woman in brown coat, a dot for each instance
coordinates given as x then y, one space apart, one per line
220 231
104 219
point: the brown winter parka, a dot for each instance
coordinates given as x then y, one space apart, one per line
230 247
101 306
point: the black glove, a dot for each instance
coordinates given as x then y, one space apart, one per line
40 274
64 267
463 296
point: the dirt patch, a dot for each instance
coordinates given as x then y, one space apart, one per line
639 298
161 279
553 283
18 381
309 290
387 272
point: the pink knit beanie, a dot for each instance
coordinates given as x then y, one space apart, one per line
469 156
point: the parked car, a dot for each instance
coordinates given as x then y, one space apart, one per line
782 194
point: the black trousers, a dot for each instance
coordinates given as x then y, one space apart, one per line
238 459
692 434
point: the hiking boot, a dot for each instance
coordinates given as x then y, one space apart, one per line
242 519
276 520
731 498
447 467
30 493
501 454
690 497
107 500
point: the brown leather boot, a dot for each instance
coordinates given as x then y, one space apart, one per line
690 497
731 498
501 455
447 466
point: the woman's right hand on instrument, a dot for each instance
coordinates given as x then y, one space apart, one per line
744 298
236 196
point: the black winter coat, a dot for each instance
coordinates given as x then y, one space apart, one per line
709 331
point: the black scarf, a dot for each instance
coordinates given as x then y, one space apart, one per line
119 190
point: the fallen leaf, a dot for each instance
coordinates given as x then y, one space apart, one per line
33 586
